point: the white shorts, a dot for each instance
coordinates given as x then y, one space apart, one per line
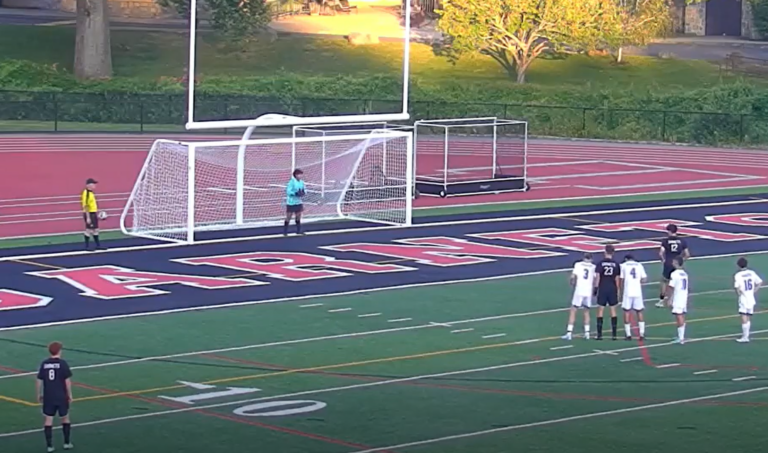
632 303
746 309
679 308
581 301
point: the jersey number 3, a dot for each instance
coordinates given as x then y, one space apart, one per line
586 274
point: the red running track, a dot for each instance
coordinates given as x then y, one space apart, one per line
42 176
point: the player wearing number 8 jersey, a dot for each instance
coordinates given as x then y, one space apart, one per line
671 247
583 282
678 287
632 278
747 283
54 390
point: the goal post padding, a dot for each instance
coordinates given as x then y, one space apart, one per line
470 156
184 188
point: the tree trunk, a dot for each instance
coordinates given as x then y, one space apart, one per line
93 54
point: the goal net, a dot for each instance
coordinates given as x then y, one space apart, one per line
185 188
470 156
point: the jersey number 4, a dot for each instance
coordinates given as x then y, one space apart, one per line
633 273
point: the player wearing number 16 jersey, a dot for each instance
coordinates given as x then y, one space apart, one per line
747 283
583 282
678 288
671 247
632 278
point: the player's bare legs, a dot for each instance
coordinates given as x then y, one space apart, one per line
571 320
586 323
288 217
298 223
746 323
680 320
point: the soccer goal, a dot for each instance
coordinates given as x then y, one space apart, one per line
470 156
190 187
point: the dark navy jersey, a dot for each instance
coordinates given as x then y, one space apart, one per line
54 374
673 247
609 269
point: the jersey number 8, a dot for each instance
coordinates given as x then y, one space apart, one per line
51 375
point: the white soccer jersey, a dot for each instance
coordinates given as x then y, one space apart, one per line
747 282
633 274
584 273
679 282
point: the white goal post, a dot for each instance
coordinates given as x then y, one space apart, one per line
190 187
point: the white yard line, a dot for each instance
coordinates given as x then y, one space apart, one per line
328 337
556 421
408 379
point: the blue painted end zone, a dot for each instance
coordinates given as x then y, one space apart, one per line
69 305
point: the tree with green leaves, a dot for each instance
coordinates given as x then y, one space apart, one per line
237 19
516 32
636 23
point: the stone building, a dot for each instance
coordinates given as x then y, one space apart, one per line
715 18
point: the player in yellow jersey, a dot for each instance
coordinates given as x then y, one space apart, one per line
90 214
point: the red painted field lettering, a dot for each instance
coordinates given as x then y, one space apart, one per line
754 219
293 266
684 229
114 282
442 251
14 300
565 239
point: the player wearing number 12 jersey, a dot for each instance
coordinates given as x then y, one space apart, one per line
678 294
671 247
632 278
583 282
747 283
54 390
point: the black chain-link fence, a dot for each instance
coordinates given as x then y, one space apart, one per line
90 112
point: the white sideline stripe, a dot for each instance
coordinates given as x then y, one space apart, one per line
404 320
390 381
556 421
705 372
418 225
309 305
608 173
745 378
330 337
605 352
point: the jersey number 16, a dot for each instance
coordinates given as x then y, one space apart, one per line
748 285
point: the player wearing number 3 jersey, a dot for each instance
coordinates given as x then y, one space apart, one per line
678 294
583 282
632 278
746 283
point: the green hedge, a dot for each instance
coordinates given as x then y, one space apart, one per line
726 114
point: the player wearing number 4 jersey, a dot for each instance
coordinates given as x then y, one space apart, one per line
746 283
678 295
583 282
54 390
632 278
671 247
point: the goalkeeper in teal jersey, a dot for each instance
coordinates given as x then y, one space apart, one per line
294 194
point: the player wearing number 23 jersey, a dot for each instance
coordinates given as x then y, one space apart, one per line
632 278
746 283
583 282
679 284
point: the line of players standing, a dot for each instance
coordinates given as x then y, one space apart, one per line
606 280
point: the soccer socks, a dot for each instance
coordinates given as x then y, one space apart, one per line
681 332
641 326
298 226
745 330
96 240
48 430
285 227
66 428
87 241
599 327
614 324
628 329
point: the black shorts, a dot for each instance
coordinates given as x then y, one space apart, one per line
55 407
91 220
607 298
294 208
666 273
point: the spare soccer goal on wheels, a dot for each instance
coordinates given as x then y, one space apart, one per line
185 188
470 156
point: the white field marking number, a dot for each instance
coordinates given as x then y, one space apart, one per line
265 409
